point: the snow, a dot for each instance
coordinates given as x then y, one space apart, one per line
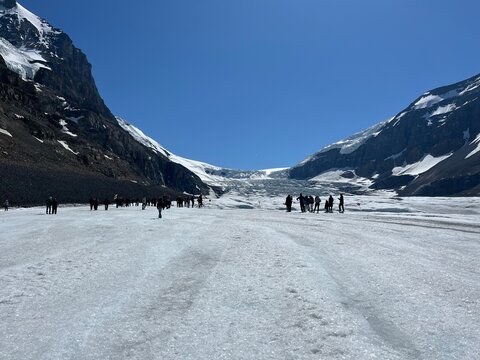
38 139
425 164
389 279
398 117
65 145
65 129
269 172
5 132
210 174
444 110
477 149
334 177
42 27
140 137
428 100
22 61
396 156
351 143
23 14
473 86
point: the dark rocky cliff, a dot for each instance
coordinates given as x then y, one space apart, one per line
62 137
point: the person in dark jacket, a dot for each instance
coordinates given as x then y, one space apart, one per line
301 198
330 204
54 206
90 201
160 207
95 204
317 204
49 205
341 207
106 202
6 204
288 203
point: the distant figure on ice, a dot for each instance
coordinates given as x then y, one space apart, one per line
90 201
95 204
144 202
288 202
200 201
317 204
301 198
330 204
54 206
341 207
106 202
326 206
192 199
49 205
160 207
6 204
310 203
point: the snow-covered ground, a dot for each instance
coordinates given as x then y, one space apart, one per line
389 279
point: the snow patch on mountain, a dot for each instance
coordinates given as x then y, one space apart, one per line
351 143
477 149
425 164
65 145
24 62
143 139
210 174
23 14
65 129
203 170
5 132
338 176
444 110
428 100
474 85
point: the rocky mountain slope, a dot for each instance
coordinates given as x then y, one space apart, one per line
431 148
57 137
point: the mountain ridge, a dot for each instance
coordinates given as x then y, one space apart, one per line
435 126
55 123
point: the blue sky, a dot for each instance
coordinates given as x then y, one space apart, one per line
257 84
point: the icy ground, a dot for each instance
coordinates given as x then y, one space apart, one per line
389 279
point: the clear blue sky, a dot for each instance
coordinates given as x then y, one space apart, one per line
255 84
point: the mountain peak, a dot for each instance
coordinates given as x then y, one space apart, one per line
8 3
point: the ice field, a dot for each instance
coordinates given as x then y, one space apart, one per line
242 279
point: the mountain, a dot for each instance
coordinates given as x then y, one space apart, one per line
57 136
431 148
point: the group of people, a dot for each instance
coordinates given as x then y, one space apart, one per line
187 201
52 205
312 204
161 203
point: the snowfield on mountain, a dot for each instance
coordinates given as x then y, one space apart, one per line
391 278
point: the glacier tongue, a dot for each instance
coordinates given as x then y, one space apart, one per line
25 63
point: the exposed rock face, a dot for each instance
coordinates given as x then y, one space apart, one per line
8 3
53 121
424 150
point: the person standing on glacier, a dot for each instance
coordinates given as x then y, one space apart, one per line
301 198
288 203
317 204
341 207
